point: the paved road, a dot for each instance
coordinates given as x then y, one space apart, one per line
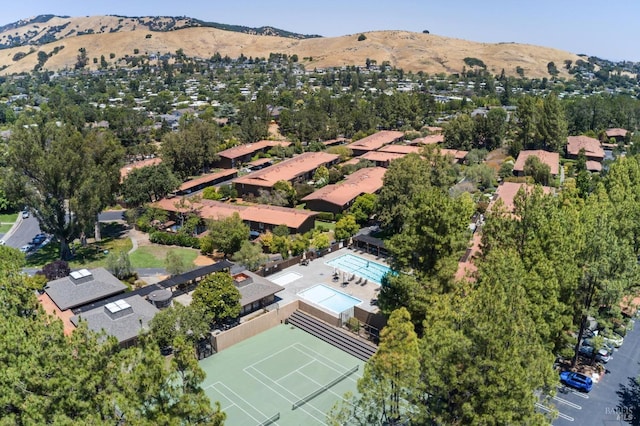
111 215
24 232
614 399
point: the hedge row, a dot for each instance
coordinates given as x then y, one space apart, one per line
171 239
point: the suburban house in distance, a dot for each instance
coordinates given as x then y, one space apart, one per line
242 154
124 171
258 217
507 193
592 148
338 197
618 134
202 182
551 159
294 170
457 155
379 158
375 142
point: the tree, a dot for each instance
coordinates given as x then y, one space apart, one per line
346 227
218 297
321 176
250 255
321 241
459 133
175 264
187 322
390 386
191 150
527 117
64 177
56 269
227 235
363 207
552 125
540 172
119 264
284 189
362 37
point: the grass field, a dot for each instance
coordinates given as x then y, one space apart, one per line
5 228
153 256
262 377
8 218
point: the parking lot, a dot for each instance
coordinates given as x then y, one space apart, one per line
613 400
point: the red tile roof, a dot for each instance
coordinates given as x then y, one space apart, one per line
616 132
551 159
207 178
376 140
401 149
429 140
338 141
364 181
591 146
594 166
288 169
458 155
139 164
380 156
250 148
507 193
270 215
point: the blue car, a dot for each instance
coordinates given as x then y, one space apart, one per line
576 380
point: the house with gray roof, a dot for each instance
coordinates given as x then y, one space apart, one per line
256 292
83 287
123 318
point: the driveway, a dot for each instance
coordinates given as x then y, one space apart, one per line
614 400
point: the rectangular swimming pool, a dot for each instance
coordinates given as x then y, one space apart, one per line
360 266
329 298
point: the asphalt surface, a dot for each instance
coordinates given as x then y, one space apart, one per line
614 400
24 232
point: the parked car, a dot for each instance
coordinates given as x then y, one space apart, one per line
2 242
608 346
576 380
26 248
38 239
25 214
612 338
602 356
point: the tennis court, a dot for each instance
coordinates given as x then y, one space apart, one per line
283 376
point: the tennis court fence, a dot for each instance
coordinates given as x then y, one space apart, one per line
324 388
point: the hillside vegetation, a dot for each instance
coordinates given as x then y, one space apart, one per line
407 50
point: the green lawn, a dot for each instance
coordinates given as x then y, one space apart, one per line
91 256
8 217
153 256
329 226
4 228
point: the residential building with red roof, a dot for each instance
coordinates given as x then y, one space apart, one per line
458 155
551 159
381 159
297 169
507 193
238 155
258 217
592 148
338 197
204 181
429 140
617 133
401 149
124 171
375 141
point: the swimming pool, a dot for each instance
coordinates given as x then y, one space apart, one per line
360 266
329 298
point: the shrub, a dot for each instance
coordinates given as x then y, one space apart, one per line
325 216
178 239
362 37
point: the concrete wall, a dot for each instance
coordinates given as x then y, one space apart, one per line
252 327
319 313
375 320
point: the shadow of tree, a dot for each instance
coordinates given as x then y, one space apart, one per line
629 402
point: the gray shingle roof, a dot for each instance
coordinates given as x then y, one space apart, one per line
258 289
125 327
68 293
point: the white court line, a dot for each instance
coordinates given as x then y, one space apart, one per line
354 377
241 399
291 346
549 410
294 371
283 396
569 403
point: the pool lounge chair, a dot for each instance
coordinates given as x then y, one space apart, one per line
364 283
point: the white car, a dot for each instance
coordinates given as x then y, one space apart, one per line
26 249
2 242
613 339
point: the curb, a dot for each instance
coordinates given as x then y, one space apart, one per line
13 228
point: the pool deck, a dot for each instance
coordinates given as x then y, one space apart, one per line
318 272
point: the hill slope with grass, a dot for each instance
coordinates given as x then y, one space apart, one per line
407 50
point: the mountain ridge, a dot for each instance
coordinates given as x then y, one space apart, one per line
117 38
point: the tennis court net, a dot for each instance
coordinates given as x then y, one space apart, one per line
317 392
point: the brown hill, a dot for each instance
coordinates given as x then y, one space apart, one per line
410 51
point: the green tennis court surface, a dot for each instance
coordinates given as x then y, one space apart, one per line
274 372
